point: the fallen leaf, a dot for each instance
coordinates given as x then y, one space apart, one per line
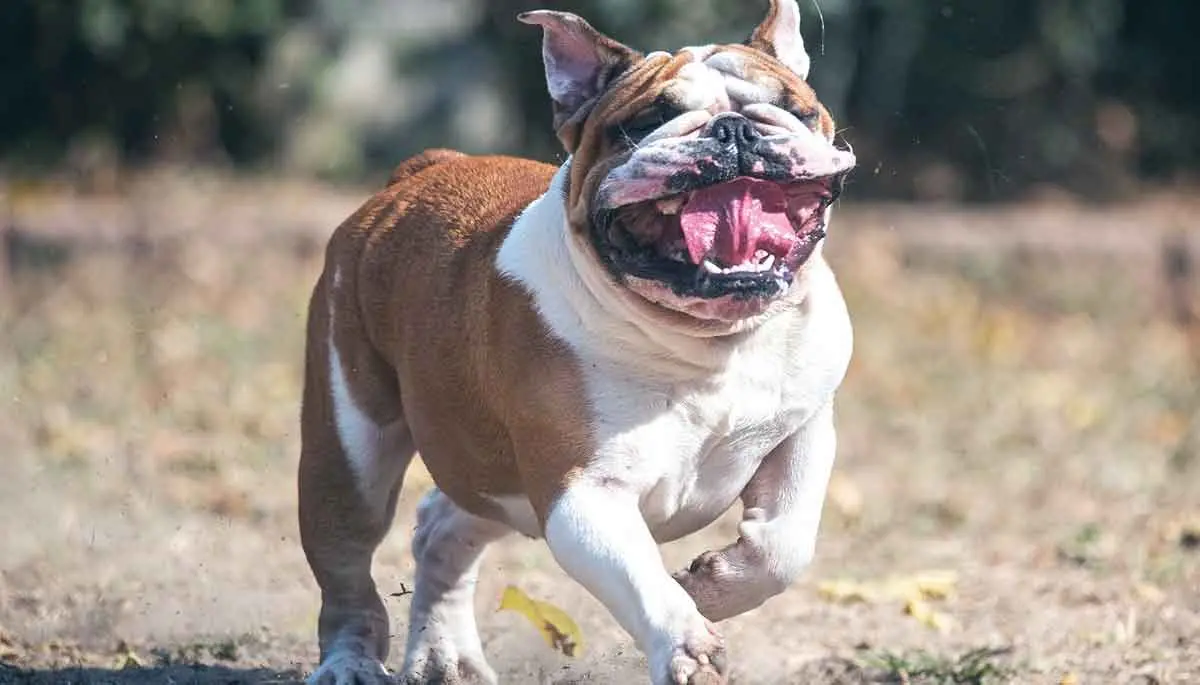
931 584
9 650
553 623
928 585
920 610
1069 678
916 591
845 591
127 658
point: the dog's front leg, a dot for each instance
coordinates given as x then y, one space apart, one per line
599 537
778 533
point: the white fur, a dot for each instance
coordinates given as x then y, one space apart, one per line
788 42
360 437
448 547
519 514
699 52
683 423
375 454
686 418
707 88
600 540
778 534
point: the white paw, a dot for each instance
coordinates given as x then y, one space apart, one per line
696 659
350 669
427 665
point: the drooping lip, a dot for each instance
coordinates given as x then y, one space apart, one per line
626 251
662 173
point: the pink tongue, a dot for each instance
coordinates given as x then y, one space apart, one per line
732 220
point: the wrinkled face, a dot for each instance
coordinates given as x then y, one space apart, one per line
702 180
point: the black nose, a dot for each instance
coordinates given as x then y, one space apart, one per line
732 129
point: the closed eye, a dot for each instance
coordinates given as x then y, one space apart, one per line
646 122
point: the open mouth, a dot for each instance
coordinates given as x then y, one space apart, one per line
745 238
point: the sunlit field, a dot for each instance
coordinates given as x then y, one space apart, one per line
1020 419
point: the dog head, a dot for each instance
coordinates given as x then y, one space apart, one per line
701 180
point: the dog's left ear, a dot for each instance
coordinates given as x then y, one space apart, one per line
779 36
580 64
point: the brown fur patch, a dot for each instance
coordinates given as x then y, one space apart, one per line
430 332
420 161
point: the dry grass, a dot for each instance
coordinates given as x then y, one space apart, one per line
1018 416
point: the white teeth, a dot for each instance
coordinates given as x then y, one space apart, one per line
767 264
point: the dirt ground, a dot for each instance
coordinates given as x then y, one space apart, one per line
1022 413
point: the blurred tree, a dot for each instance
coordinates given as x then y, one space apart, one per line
942 99
148 77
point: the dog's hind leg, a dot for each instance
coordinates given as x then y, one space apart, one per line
443 640
355 449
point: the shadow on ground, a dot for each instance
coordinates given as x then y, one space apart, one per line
824 671
196 673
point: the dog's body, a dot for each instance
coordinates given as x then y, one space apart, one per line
562 386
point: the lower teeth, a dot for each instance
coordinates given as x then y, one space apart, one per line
764 265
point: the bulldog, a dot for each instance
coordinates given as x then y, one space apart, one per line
607 355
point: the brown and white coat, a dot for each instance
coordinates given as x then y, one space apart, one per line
465 312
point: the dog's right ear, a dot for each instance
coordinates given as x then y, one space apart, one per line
580 63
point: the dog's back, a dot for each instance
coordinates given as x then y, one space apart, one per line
421 161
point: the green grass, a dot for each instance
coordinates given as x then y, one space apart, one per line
982 666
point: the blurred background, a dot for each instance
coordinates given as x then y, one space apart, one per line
1017 249
949 99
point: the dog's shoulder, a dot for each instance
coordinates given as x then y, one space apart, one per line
421 161
462 195
450 171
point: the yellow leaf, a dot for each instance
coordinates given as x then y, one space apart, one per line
1069 678
127 658
926 586
924 613
9 650
931 584
846 591
554 624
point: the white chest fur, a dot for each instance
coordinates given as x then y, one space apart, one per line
689 446
684 423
